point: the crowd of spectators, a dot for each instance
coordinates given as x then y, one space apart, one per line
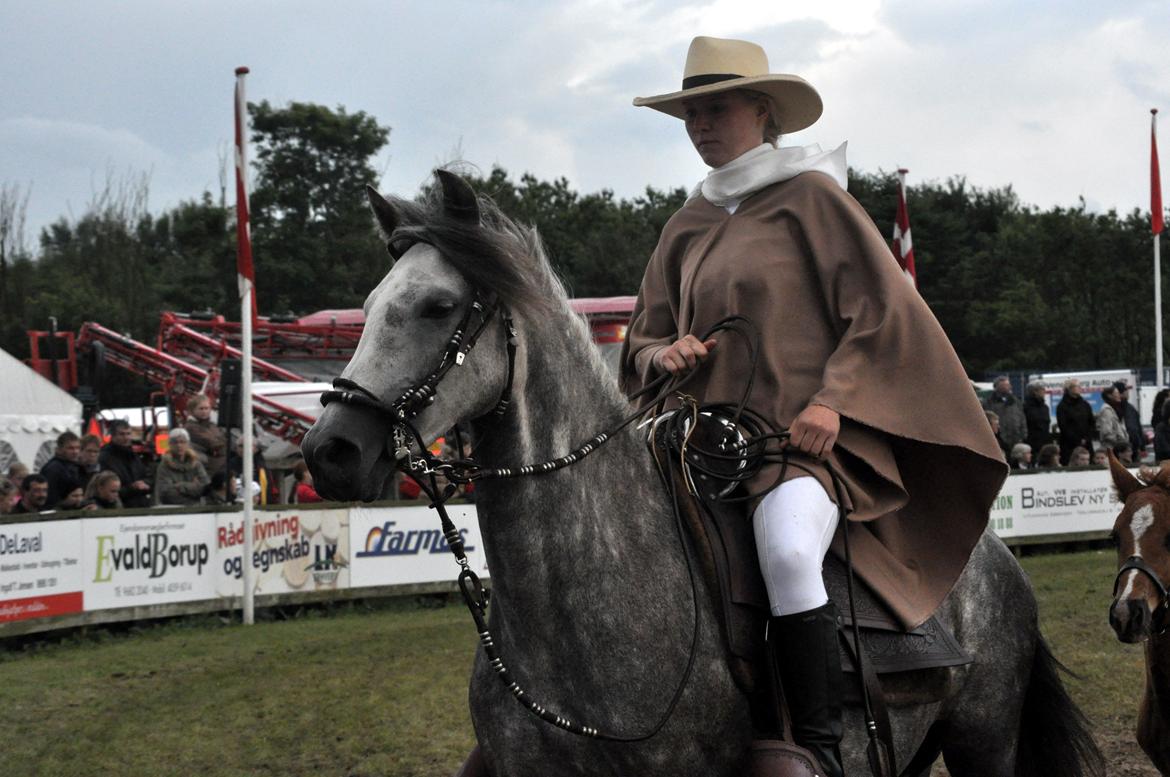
1080 438
85 474
200 467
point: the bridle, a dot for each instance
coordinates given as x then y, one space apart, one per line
1159 624
417 398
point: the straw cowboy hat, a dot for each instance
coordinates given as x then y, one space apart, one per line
718 65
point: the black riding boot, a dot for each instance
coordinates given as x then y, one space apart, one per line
804 649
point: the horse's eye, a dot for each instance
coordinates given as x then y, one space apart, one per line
1114 538
438 309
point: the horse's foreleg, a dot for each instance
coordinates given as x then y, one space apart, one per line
1153 733
1153 727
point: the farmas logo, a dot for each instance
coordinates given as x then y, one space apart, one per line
385 540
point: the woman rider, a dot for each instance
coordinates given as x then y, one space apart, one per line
852 363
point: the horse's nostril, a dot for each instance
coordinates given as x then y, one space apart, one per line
340 453
336 464
1137 613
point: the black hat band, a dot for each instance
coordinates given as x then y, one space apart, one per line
710 78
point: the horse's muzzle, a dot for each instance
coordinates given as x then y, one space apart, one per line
1131 619
346 452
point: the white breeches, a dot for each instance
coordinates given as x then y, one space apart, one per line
794 525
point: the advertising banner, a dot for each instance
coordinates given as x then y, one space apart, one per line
40 570
1053 503
143 559
292 550
399 545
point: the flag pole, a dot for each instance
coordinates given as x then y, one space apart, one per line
247 309
1156 228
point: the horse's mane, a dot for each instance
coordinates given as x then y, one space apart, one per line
496 255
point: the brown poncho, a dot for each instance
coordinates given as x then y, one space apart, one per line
841 327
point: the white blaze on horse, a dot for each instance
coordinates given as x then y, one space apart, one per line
1141 604
593 608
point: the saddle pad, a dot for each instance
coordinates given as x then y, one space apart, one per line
888 646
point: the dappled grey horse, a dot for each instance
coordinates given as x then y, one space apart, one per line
592 606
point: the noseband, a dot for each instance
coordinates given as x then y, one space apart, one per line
1138 564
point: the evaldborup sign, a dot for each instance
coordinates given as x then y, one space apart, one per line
146 560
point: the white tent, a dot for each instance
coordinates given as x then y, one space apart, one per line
33 411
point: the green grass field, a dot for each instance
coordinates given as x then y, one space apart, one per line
381 690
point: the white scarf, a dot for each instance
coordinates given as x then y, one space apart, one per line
765 165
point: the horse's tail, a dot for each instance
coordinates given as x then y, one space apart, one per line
1054 734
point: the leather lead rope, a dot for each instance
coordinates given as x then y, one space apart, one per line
880 750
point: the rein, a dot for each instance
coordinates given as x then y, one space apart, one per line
1138 564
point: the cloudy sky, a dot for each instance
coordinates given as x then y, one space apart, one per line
1052 98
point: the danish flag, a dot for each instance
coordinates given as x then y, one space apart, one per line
903 246
1155 178
245 273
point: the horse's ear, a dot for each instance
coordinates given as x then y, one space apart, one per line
458 197
384 212
1123 479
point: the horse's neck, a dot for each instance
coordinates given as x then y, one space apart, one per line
562 395
597 516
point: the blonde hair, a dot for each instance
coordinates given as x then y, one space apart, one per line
771 124
99 480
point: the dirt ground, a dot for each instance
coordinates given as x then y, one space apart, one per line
1123 757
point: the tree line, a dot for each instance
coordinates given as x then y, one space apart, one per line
1016 287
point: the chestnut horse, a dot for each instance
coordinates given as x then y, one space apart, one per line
1140 599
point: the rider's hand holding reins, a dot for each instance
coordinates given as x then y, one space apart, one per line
815 430
683 355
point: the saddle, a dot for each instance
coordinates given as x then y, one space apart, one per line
724 543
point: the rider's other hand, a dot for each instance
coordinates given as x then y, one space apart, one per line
683 355
815 430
